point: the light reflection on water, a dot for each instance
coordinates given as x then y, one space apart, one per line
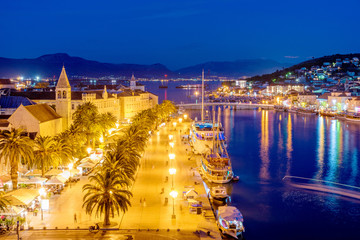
265 146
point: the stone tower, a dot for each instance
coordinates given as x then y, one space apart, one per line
63 99
132 82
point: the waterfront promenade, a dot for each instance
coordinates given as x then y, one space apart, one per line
149 209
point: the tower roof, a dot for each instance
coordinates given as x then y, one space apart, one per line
63 81
132 77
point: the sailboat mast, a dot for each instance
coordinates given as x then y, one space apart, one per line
202 96
218 129
213 128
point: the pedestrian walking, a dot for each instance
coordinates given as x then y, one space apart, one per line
75 219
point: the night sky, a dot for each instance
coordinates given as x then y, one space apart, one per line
179 33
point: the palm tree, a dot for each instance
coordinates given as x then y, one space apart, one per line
105 195
85 119
118 160
105 122
3 202
14 145
45 155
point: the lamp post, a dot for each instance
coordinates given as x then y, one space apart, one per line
172 172
173 194
42 193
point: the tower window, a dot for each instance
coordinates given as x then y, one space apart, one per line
59 94
64 94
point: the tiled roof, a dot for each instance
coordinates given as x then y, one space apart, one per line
42 112
36 95
14 101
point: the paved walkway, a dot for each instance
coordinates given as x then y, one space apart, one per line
149 209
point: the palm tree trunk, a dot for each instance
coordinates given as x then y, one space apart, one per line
14 174
107 214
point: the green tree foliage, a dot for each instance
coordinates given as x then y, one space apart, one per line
15 146
49 152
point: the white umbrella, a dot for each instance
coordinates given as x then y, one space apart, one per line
37 180
53 172
87 165
35 172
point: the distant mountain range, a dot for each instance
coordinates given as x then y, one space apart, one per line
238 68
50 65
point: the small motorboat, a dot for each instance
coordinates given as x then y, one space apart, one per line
230 221
236 178
218 193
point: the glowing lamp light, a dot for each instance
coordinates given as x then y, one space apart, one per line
42 192
158 133
70 166
180 120
88 150
117 125
101 139
173 194
45 205
185 116
171 144
172 171
172 156
170 137
174 124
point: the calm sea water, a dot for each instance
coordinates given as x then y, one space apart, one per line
265 146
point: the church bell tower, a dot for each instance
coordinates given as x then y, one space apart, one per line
63 99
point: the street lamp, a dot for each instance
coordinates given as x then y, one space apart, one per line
42 193
172 172
185 116
180 120
171 156
170 137
88 150
174 124
173 194
171 144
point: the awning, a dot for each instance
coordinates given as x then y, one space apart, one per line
53 172
36 180
12 211
35 172
74 171
87 160
58 180
87 165
21 196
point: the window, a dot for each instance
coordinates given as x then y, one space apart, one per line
64 94
59 94
72 106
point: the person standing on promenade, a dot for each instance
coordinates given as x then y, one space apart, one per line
75 219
